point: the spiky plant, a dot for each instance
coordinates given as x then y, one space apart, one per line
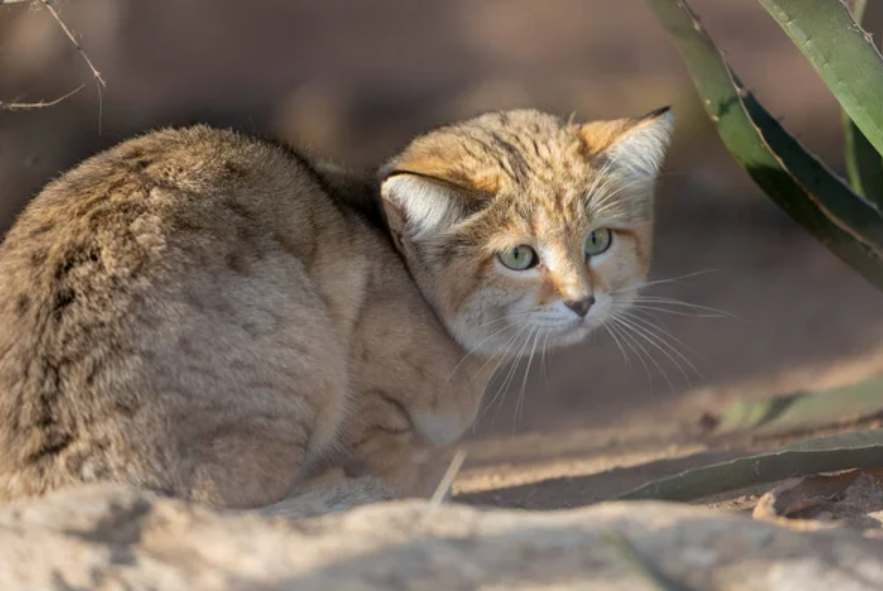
846 216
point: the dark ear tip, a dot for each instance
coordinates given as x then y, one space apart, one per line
656 113
386 171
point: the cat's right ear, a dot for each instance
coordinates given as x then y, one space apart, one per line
418 206
637 145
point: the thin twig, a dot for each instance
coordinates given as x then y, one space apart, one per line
41 104
55 15
448 479
99 81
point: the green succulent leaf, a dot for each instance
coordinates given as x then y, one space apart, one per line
826 454
849 225
843 55
801 411
863 164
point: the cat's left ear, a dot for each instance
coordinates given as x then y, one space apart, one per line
637 146
419 206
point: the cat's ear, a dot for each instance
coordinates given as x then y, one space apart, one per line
420 206
636 146
434 184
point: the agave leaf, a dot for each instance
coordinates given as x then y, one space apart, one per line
856 214
863 164
843 55
789 174
826 454
805 410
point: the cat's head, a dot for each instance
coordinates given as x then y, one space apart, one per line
520 224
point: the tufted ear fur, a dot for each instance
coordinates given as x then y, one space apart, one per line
419 206
635 146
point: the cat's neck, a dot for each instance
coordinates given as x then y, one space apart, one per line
356 191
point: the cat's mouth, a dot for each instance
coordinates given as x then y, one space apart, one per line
578 329
580 325
569 331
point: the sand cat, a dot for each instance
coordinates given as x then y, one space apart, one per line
210 315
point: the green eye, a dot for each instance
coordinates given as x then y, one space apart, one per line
519 258
597 241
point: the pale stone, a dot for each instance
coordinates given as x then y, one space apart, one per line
108 538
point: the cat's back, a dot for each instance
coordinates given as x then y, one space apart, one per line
195 208
181 183
184 263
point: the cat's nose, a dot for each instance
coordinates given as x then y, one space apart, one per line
581 307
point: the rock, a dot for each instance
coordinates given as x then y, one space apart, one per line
109 538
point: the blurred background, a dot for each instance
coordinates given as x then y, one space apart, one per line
353 81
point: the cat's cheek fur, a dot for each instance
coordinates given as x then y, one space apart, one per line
622 274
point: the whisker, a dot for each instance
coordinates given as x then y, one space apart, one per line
500 360
545 347
501 357
596 206
670 341
654 340
620 187
664 301
519 403
600 175
628 328
612 334
666 311
508 316
508 347
471 352
511 376
666 280
650 324
629 342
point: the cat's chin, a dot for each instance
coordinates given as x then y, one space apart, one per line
572 335
509 343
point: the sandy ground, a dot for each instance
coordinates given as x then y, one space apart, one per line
353 81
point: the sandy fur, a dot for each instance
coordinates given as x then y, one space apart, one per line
213 316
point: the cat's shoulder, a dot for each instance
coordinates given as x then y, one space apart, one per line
201 154
200 168
171 195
